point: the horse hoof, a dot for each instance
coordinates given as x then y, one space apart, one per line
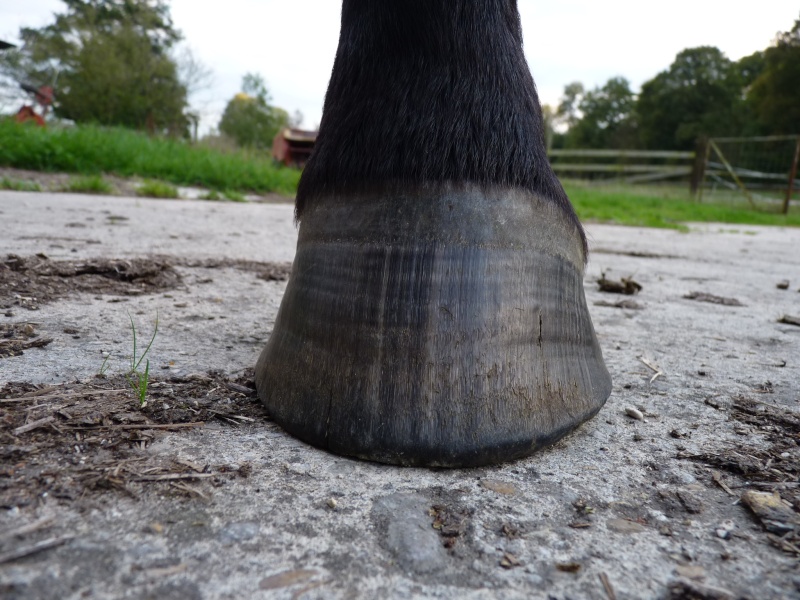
441 329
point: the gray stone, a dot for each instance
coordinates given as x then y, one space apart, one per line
407 532
236 533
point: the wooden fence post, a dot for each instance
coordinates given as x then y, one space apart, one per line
792 177
698 175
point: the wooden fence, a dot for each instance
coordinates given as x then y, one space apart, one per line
719 161
631 166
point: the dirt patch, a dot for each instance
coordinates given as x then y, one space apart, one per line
774 467
70 440
28 282
32 281
15 338
626 285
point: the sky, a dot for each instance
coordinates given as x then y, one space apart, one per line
292 43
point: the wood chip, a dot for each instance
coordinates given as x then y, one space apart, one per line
626 285
774 513
509 561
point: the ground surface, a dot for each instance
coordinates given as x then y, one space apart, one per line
199 495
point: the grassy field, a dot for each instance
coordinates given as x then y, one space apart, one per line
666 207
91 151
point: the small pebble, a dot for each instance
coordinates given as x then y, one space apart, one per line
156 528
783 285
634 413
332 503
724 529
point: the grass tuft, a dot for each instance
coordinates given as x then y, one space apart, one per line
231 195
18 185
157 189
89 184
139 379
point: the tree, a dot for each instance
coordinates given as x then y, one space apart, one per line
249 119
567 111
606 117
111 63
774 96
700 94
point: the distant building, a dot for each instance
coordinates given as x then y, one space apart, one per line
292 147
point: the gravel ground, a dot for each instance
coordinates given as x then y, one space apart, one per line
666 494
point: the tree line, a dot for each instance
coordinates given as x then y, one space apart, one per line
118 63
702 93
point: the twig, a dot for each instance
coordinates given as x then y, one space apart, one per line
48 393
187 488
174 477
717 477
164 426
242 389
655 368
29 528
33 425
783 544
607 586
152 426
37 547
40 392
187 463
166 571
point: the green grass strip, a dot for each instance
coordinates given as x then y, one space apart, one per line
91 150
651 207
